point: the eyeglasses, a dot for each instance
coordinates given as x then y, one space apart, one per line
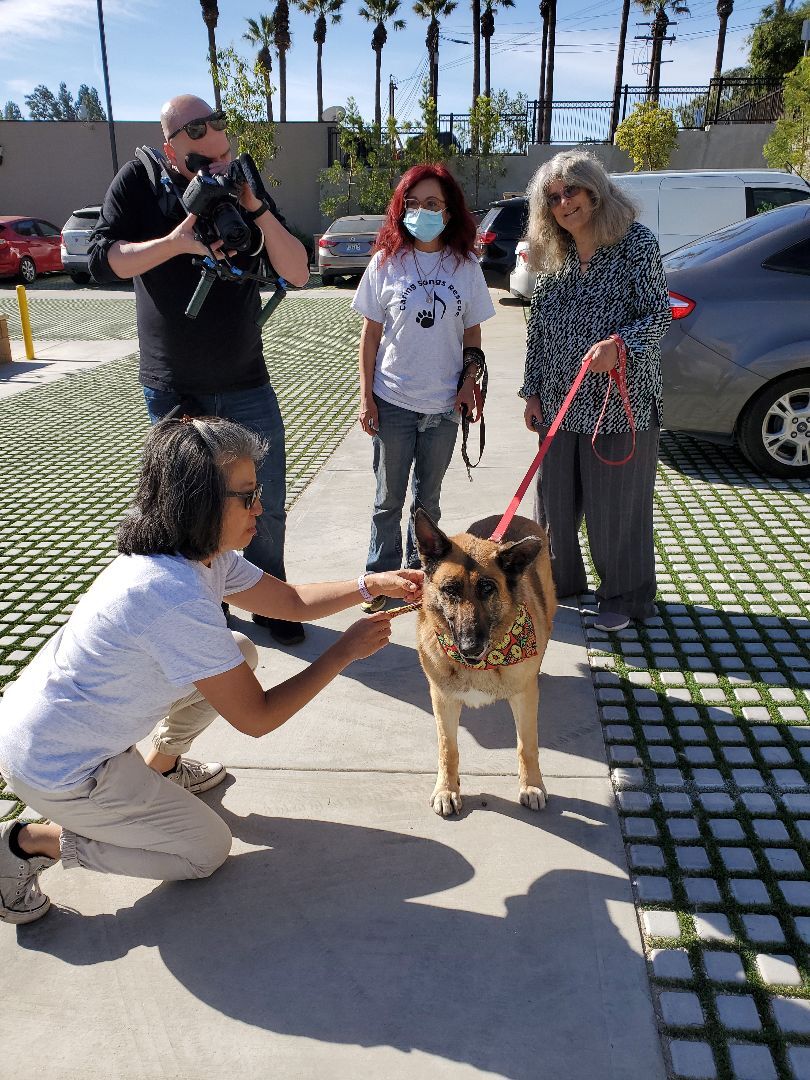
195 129
434 205
570 191
247 497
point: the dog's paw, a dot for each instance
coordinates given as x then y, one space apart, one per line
533 797
445 802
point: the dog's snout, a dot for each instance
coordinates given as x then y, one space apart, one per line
472 641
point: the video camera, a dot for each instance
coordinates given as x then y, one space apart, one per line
214 200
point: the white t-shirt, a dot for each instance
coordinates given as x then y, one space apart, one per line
424 311
147 629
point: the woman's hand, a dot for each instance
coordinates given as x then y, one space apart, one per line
369 418
466 396
398 584
533 413
364 637
604 356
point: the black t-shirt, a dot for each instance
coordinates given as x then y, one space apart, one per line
219 350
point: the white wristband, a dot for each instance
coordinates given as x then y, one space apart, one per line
361 585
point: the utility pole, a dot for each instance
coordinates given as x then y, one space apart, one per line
110 122
659 35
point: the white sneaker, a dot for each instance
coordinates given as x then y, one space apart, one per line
21 899
197 776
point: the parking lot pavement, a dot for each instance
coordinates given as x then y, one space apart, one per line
704 712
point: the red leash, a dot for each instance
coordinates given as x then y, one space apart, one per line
618 378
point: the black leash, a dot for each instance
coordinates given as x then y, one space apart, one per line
474 366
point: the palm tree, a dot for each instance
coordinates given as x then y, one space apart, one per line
261 33
661 21
378 11
487 30
724 10
549 97
433 9
541 93
283 41
210 14
320 8
476 17
617 82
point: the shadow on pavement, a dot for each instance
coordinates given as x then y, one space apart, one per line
321 935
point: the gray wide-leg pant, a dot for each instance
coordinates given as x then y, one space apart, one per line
128 819
616 502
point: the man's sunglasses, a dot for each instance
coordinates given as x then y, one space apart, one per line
247 497
195 129
570 191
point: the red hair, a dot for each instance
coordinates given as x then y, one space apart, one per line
460 230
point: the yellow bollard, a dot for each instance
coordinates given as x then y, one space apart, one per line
25 319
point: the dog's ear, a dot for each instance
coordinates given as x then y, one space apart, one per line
433 545
515 557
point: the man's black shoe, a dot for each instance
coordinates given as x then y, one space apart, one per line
285 633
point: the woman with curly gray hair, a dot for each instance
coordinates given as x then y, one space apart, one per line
600 293
148 648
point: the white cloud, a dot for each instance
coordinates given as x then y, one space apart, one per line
32 21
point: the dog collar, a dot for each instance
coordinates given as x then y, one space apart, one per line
519 644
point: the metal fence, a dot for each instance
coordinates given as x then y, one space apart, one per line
723 101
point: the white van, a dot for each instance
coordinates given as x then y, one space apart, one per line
681 206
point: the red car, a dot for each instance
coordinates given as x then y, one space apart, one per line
28 246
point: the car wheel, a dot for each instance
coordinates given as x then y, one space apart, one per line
327 279
774 432
28 270
80 278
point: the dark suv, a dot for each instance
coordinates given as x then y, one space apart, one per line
498 233
76 241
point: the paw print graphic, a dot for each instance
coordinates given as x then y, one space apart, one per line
425 319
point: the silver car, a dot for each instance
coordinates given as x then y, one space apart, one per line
345 247
736 359
76 241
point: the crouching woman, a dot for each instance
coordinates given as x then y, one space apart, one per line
148 648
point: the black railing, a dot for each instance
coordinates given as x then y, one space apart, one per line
723 101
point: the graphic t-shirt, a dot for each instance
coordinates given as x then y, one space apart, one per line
147 629
425 302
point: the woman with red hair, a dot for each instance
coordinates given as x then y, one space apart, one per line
423 299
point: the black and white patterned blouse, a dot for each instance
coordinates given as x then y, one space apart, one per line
623 292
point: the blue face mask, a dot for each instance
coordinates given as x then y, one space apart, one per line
424 225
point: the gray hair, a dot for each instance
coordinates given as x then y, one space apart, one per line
613 212
179 504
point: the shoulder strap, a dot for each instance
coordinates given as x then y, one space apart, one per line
165 190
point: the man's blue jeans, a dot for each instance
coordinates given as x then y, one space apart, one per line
406 438
258 410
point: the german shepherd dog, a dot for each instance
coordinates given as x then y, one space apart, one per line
476 644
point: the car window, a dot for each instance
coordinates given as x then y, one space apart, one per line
762 199
357 225
727 239
512 217
23 228
44 228
793 260
488 218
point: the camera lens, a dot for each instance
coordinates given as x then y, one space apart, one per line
233 231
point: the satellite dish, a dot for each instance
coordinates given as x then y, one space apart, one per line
333 114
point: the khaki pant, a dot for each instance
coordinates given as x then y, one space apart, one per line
128 819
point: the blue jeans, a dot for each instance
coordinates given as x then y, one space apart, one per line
258 410
406 438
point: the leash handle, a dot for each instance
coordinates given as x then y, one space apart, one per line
618 378
511 510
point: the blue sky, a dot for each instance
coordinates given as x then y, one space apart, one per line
157 48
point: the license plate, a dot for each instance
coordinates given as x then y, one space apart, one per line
352 248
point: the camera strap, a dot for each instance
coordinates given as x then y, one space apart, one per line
166 191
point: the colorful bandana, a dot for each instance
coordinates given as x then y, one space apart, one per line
519 644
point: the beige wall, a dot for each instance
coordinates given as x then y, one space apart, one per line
50 169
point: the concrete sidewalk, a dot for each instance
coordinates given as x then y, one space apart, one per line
353 933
